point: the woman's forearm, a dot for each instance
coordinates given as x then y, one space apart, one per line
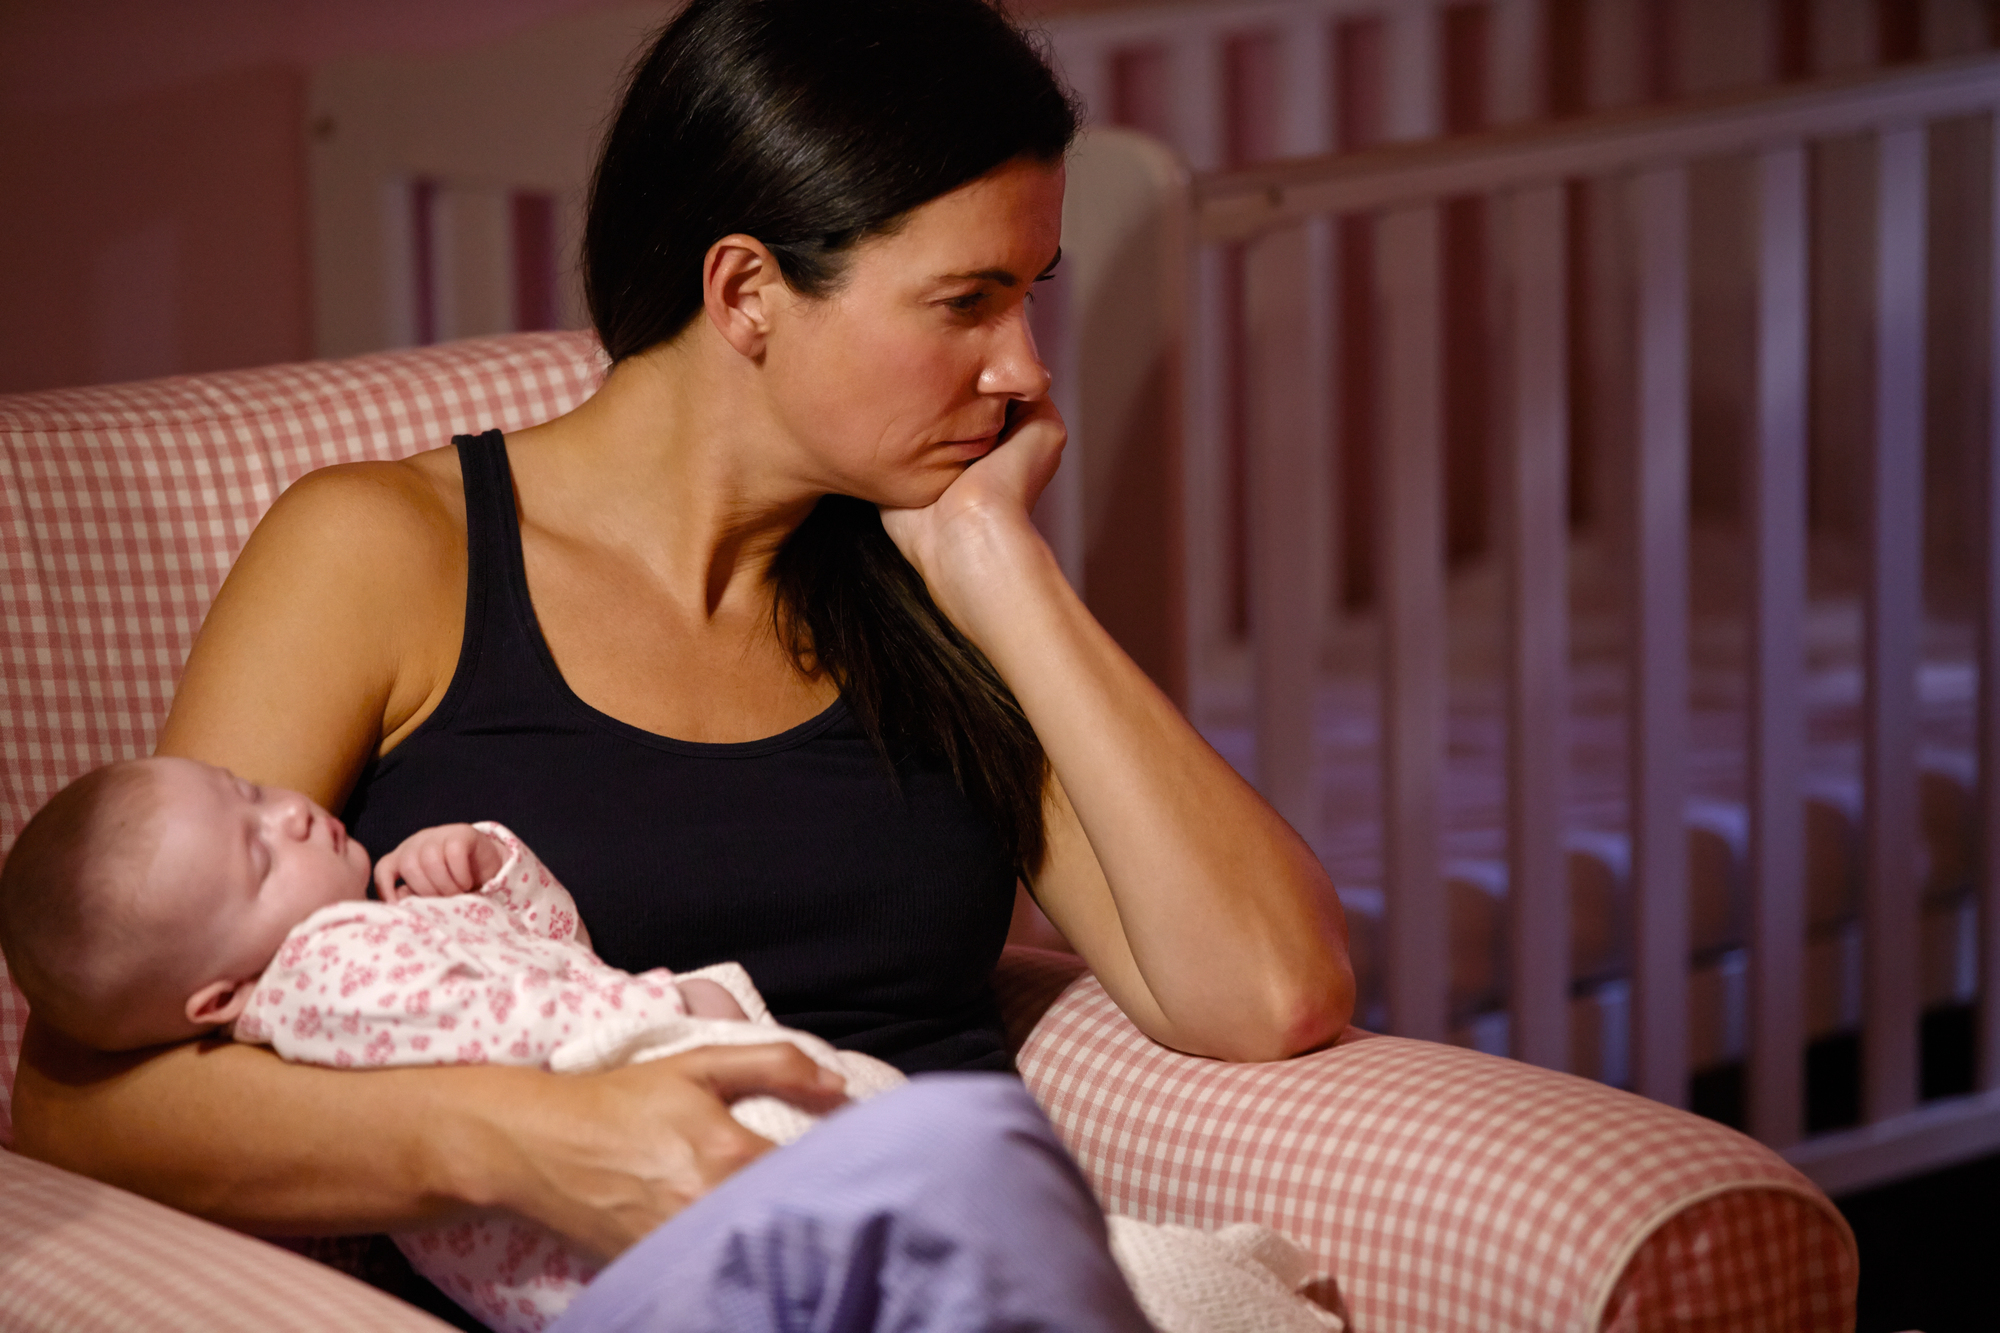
1217 901
234 1134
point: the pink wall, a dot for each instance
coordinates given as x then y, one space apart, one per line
153 218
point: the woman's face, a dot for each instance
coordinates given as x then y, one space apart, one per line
902 376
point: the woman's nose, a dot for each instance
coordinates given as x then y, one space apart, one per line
1016 368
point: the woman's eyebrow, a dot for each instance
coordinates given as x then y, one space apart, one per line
1005 277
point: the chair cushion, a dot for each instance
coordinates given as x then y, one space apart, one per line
84 1257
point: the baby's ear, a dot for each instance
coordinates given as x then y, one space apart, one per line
218 1002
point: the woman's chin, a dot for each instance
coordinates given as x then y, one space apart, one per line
915 492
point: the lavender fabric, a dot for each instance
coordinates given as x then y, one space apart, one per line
946 1206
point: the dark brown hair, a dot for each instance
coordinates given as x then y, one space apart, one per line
814 125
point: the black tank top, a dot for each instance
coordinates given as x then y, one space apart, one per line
869 909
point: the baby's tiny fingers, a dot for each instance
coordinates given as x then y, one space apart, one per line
458 859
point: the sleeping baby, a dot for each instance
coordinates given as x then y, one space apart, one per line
161 899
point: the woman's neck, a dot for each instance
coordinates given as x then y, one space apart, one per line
675 463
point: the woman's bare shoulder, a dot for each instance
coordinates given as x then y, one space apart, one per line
336 627
373 509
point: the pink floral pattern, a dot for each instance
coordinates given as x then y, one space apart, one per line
502 975
506 971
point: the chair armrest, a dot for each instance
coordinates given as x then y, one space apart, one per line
82 1256
1444 1189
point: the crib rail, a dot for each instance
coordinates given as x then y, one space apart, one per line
1280 222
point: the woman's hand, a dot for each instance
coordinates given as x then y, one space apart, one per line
1206 917
607 1157
983 518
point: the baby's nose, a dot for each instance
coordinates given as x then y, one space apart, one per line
293 815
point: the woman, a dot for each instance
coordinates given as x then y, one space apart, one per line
758 647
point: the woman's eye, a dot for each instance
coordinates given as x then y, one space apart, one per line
968 303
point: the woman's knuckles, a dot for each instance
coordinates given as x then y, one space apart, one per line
725 1151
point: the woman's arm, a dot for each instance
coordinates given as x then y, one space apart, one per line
1195 903
339 625
234 1134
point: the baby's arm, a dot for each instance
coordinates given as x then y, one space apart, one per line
484 858
438 863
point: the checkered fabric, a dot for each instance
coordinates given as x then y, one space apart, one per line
86 1258
1742 1260
1447 1190
121 508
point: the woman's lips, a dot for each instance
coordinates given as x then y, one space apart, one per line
979 442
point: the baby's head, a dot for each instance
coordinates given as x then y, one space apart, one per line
143 902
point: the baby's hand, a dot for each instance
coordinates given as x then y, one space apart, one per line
438 862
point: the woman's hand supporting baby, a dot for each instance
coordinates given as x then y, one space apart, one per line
438 862
604 1158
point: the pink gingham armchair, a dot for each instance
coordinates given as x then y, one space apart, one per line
1444 1190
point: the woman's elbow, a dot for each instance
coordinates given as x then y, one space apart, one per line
1304 1013
1318 1012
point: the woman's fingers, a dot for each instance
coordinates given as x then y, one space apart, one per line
1002 486
1029 452
610 1156
615 1154
778 1070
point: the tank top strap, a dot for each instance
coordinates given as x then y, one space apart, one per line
492 528
499 662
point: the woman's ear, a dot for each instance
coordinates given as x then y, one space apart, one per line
219 1002
740 287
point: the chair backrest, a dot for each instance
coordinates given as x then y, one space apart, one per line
122 507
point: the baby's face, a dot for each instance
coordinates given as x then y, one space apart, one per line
239 865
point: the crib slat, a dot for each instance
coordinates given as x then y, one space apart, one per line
1658 535
1285 330
1989 667
1086 67
1209 559
1516 61
1412 594
1307 118
1894 624
1538 547
1777 514
1197 107
1194 62
1412 56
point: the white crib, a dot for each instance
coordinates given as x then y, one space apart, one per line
1854 705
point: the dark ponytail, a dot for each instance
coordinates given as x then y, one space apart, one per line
814 125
